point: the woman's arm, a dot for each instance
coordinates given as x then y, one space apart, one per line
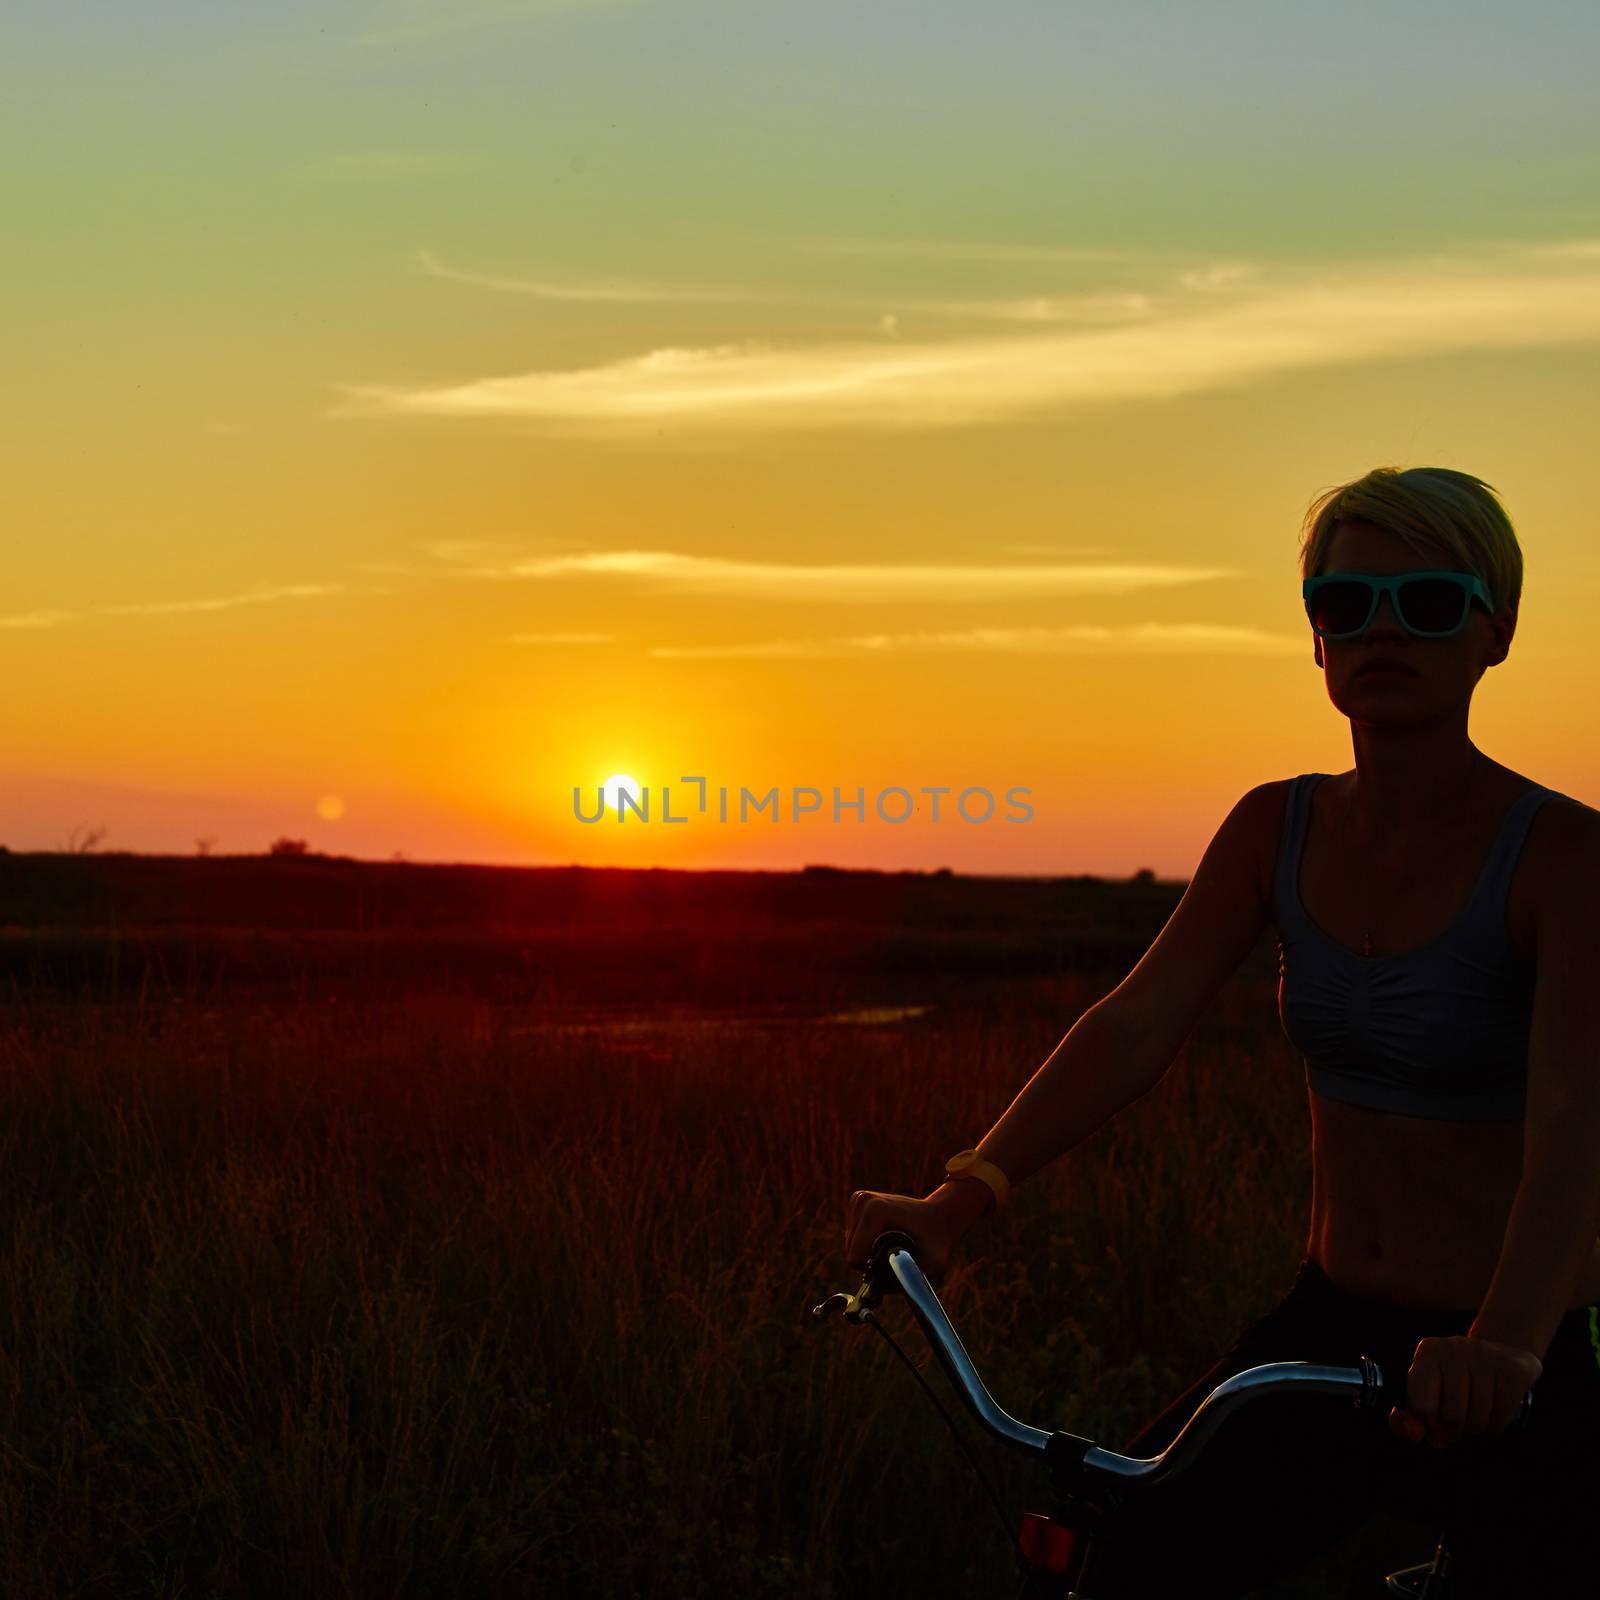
1556 1214
1549 1238
1474 1383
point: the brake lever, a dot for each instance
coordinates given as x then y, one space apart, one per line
875 1283
855 1307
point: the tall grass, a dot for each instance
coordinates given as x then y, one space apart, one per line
421 1299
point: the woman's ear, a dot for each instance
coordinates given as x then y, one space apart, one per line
1503 626
1316 648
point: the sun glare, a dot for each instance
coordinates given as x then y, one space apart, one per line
617 783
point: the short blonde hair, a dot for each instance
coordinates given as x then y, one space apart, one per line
1425 506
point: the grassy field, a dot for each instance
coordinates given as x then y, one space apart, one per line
352 1272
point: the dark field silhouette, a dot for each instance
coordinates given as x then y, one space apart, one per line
380 1229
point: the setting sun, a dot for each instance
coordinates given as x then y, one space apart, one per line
619 783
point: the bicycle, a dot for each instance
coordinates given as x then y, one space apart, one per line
1054 1549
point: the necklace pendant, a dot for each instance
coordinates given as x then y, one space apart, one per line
1366 944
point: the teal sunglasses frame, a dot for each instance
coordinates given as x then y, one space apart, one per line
1390 584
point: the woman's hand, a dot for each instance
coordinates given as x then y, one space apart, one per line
1461 1385
934 1225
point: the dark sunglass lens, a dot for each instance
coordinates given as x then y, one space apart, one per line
1432 605
1340 607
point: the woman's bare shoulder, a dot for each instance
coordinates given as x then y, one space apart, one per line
1270 801
1563 828
1564 834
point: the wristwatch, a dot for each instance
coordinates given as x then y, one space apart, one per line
969 1164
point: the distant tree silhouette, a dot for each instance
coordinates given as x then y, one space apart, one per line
203 846
80 841
1143 875
287 847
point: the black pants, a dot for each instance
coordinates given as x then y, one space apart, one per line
1284 1480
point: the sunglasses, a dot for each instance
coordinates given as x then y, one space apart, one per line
1431 605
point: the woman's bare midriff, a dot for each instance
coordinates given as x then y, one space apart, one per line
1415 1211
1403 1208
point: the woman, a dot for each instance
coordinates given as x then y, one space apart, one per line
1432 910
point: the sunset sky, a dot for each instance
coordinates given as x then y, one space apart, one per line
416 410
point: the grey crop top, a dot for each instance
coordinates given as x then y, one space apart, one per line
1440 1031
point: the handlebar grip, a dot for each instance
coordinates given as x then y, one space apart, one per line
878 1257
1392 1392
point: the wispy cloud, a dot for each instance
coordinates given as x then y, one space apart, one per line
1145 638
34 619
474 550
295 591
884 583
863 583
420 21
970 250
1239 326
1086 307
602 290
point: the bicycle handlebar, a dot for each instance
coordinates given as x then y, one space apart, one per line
891 1264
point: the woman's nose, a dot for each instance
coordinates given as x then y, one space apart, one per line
1385 599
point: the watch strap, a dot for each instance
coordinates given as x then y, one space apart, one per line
968 1164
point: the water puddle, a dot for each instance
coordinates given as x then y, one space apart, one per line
861 1016
877 1015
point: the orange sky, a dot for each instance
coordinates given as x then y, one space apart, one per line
405 435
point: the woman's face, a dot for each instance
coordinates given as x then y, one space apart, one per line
1439 673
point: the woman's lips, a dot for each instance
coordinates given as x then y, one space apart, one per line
1380 668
